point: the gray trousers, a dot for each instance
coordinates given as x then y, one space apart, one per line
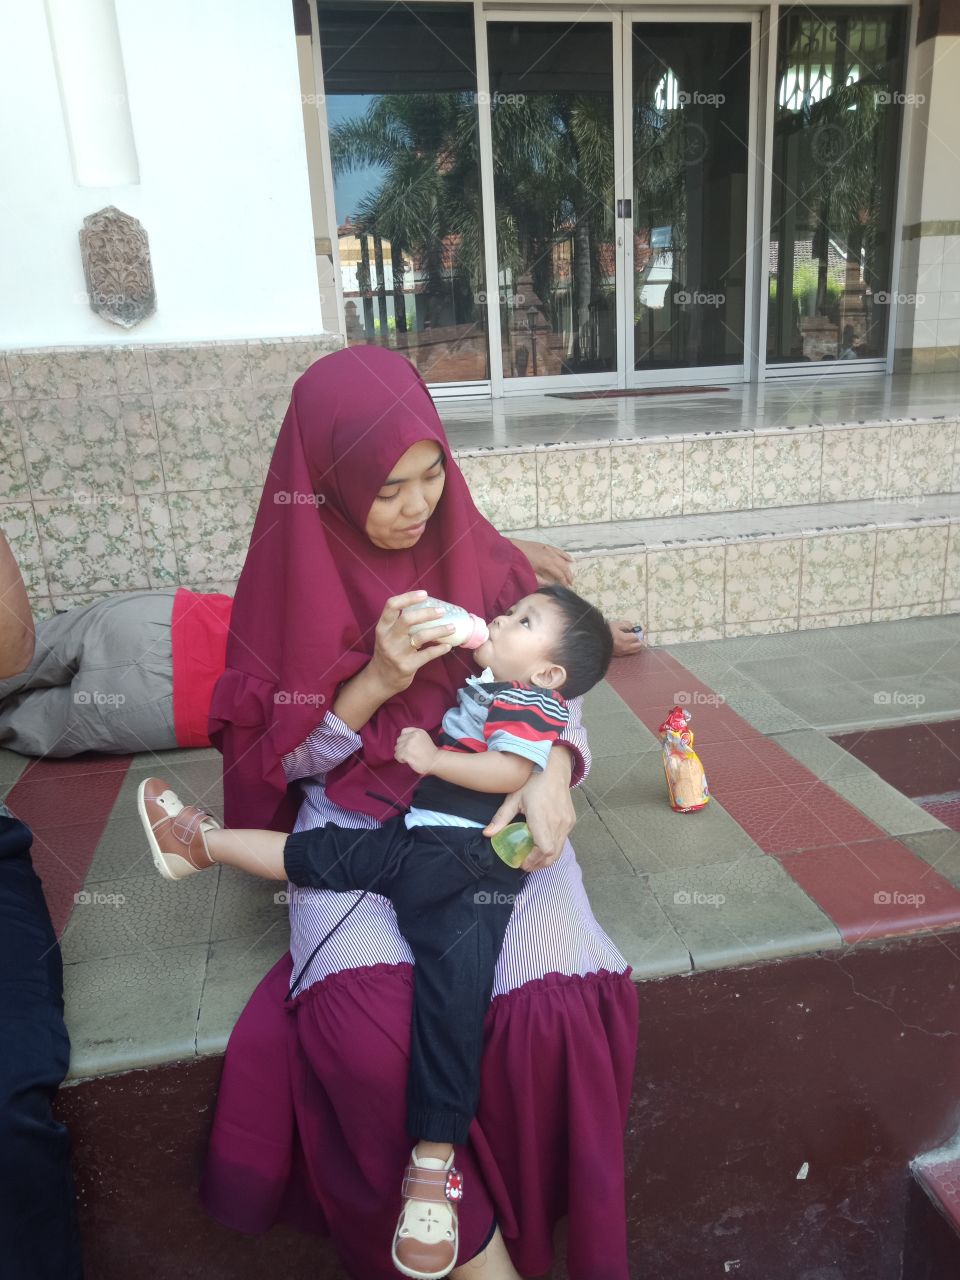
101 680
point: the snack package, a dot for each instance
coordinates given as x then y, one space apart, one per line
686 781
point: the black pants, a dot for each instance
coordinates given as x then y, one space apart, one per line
39 1239
453 897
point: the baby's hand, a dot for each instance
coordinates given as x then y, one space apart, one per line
415 747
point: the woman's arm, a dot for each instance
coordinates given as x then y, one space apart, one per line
327 746
574 738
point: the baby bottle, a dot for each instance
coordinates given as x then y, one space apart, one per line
470 632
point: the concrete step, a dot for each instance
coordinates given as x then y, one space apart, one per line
712 576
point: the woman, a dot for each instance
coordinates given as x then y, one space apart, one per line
363 504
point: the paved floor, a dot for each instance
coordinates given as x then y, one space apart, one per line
534 420
803 848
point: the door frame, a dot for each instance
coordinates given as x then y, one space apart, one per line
732 373
621 22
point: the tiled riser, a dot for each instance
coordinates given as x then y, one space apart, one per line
553 485
757 586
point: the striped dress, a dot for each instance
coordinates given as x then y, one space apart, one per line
552 929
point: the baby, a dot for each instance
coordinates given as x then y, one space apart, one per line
453 896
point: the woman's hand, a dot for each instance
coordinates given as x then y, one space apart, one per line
545 801
550 564
625 639
417 749
398 656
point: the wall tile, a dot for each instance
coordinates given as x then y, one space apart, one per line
910 566
200 367
951 586
646 480
786 468
76 449
266 409
158 546
504 487
91 547
615 584
573 486
18 521
928 609
762 581
14 485
6 391
855 464
717 474
684 590
852 618
921 457
207 440
211 532
837 572
279 363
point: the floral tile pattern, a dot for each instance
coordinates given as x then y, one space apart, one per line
504 487
910 566
921 457
156 528
6 391
761 627
762 581
574 485
143 447
82 371
199 367
855 464
685 636
614 583
19 523
646 480
951 586
852 618
786 468
266 409
685 590
14 485
211 532
717 474
91 546
278 363
75 449
207 440
837 572
922 609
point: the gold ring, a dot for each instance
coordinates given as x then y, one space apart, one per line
413 642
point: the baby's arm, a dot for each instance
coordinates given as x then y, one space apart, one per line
494 771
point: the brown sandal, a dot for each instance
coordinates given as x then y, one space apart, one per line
425 1242
175 832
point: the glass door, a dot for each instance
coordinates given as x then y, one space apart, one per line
554 87
688 239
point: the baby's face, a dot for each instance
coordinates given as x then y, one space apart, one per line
522 640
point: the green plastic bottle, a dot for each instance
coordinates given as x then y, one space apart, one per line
513 844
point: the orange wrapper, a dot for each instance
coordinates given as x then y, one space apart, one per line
686 780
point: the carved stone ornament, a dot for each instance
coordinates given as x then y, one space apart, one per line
116 267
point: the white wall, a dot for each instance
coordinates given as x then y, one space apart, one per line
224 196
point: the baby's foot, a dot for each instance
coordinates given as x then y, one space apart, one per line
425 1242
176 832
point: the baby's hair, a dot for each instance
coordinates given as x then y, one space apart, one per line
586 645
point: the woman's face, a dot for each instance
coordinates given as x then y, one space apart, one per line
407 498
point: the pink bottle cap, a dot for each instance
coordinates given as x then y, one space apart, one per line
479 634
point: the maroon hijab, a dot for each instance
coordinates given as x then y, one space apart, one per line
313 587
